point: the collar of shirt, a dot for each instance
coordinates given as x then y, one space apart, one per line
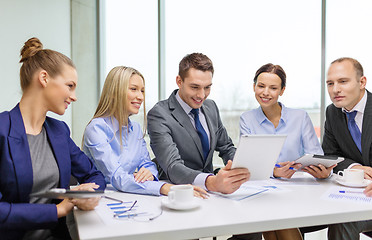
115 124
361 105
184 105
283 118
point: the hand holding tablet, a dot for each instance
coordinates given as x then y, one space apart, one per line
313 159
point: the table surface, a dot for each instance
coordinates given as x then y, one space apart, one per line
295 205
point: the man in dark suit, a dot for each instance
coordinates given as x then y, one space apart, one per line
348 130
186 129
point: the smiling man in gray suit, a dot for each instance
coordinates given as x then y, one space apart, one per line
348 130
186 129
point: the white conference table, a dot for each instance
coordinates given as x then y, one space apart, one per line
292 206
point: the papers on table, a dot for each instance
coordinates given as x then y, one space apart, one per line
256 188
355 195
143 210
245 191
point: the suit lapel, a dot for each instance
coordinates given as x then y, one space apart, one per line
367 130
60 150
20 153
179 114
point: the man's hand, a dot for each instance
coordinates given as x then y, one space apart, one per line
367 171
227 180
319 171
286 169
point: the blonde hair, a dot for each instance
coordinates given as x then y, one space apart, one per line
34 57
113 101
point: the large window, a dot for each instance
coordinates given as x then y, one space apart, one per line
349 33
240 36
131 40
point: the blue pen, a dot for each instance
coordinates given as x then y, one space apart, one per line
278 166
350 192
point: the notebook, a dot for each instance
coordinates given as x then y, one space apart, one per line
259 154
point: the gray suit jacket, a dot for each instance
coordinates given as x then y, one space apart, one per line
176 144
337 139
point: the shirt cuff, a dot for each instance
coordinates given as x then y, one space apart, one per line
354 164
200 179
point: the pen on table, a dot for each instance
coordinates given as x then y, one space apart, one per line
341 191
290 168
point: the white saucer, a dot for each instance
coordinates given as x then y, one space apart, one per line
349 184
191 205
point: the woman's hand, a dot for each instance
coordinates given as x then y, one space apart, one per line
86 204
64 207
198 192
319 171
143 175
286 169
368 190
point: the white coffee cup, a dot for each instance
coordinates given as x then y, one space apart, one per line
355 176
181 194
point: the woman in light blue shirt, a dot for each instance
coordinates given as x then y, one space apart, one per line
272 117
116 144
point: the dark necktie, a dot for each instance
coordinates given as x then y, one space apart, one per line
354 130
201 132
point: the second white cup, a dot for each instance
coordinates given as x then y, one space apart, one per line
352 175
181 194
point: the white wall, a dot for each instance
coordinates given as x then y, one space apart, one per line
48 20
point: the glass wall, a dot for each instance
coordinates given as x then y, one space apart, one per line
349 33
240 37
131 39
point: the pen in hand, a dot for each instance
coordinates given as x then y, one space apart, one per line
290 168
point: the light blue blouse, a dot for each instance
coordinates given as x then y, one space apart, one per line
102 145
295 123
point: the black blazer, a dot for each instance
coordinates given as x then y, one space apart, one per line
337 139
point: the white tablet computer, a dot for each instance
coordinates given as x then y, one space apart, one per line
313 159
61 193
259 154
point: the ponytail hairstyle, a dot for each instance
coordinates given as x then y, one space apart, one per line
34 58
113 100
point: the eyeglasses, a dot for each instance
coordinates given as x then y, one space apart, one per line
140 216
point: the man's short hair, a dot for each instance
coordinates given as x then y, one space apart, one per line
198 61
357 66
